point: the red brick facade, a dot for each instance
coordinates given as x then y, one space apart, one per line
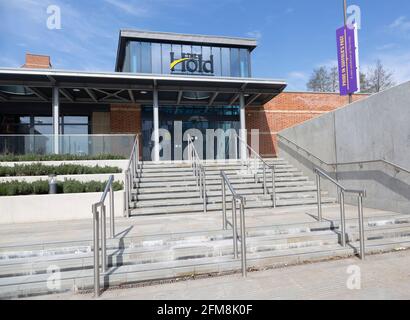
35 61
287 110
284 111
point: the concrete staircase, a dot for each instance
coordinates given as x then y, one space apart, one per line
25 269
165 188
167 193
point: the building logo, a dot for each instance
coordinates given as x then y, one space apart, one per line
192 63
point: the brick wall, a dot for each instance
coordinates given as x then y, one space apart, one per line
287 110
36 61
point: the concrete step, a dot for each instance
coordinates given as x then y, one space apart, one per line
212 173
231 175
37 284
192 182
188 193
191 208
251 187
212 169
165 251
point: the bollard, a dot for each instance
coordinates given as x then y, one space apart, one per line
52 184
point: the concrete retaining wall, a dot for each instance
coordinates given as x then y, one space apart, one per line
372 129
59 207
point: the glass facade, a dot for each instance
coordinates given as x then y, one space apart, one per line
192 117
151 57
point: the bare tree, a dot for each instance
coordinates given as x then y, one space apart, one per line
379 78
334 79
376 79
319 80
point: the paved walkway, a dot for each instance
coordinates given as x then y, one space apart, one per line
384 276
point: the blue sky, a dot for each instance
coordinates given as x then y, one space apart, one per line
295 36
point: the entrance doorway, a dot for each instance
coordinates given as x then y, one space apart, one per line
192 117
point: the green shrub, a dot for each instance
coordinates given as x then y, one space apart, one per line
39 169
14 188
58 157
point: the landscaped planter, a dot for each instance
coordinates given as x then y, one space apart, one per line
80 177
58 207
122 164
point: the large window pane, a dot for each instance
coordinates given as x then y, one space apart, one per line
146 57
244 63
216 53
156 57
225 62
235 72
166 58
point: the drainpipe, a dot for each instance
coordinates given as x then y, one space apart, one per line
242 132
56 117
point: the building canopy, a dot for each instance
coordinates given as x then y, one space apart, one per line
34 85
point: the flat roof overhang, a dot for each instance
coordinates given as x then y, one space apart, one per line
118 87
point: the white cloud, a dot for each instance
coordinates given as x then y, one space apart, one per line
254 34
401 23
297 80
129 8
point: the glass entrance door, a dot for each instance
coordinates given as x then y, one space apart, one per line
195 117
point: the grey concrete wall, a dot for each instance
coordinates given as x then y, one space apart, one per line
371 129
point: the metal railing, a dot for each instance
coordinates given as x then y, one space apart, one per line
341 191
225 222
98 209
132 173
335 165
198 170
255 157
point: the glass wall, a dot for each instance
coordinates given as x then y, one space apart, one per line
147 57
197 117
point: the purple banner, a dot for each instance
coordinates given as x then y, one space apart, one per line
346 52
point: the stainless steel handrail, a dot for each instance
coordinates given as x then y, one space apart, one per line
225 222
198 170
265 166
334 165
97 209
341 192
132 172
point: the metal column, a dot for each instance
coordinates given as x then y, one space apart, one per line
156 125
56 117
242 133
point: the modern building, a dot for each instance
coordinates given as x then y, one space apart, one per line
160 80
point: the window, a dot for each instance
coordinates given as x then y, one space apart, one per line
225 61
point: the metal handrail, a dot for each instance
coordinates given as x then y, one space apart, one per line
198 170
235 198
132 172
97 209
265 166
341 191
395 166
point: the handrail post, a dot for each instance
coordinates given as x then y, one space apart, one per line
224 224
265 191
204 190
96 251
103 240
243 239
112 212
234 228
127 200
273 187
361 227
342 218
319 197
200 181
